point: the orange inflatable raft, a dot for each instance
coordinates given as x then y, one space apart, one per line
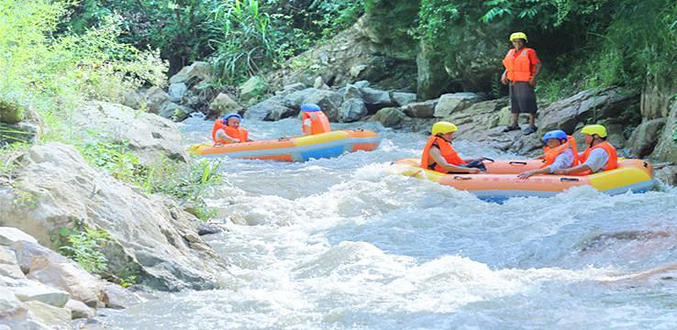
501 181
296 149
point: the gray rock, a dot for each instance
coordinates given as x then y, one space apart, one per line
223 104
158 244
390 117
34 291
9 266
156 98
295 99
355 70
50 315
591 104
350 92
667 175
270 109
451 103
319 83
431 78
198 71
117 297
254 87
174 111
328 101
151 137
361 84
79 310
421 109
208 229
177 91
294 87
377 98
134 99
403 99
11 308
9 235
51 268
666 149
352 110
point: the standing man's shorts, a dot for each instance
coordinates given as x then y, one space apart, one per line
522 98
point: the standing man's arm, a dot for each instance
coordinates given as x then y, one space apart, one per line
504 77
537 70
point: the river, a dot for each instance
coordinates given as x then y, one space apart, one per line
342 244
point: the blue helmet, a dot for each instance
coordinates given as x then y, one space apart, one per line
232 114
556 134
310 107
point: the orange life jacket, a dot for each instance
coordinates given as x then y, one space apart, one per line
318 123
447 151
552 153
612 163
236 133
519 67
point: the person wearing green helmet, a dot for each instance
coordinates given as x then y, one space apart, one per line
599 156
439 155
522 68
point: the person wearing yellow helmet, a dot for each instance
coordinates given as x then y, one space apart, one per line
522 68
439 155
599 156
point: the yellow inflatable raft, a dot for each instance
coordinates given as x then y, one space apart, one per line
501 181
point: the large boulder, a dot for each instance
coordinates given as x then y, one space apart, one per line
177 91
329 102
158 244
9 266
431 78
451 103
173 111
352 110
270 109
390 117
223 104
589 105
150 136
252 89
295 99
403 98
666 149
376 99
156 98
424 109
198 71
644 138
667 175
51 268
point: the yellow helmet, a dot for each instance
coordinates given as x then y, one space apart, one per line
594 129
518 35
443 127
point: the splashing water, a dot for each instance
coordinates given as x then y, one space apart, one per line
343 244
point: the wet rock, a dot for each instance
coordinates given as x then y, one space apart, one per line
421 109
403 99
329 102
53 269
390 117
151 137
79 310
174 111
223 104
352 110
666 148
254 87
177 91
452 103
667 175
145 236
208 229
117 297
198 71
590 104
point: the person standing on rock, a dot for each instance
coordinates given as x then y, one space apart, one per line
314 121
522 67
228 130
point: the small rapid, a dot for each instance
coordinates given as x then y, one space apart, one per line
345 244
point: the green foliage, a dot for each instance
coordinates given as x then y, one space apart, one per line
84 246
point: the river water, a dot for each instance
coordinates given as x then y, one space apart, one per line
342 244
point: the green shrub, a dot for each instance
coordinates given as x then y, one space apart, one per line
84 246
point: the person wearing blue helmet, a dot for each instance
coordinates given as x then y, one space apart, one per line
314 121
228 130
560 152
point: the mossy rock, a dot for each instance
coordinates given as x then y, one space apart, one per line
11 112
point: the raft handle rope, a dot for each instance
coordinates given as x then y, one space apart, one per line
569 180
517 163
462 178
488 159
